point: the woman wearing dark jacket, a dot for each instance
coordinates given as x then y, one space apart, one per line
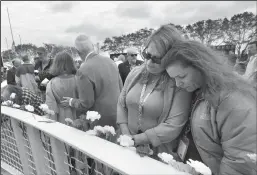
223 117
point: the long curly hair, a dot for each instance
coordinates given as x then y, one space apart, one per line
163 38
218 75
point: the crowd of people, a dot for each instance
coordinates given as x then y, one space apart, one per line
185 99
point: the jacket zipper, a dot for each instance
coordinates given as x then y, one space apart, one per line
196 103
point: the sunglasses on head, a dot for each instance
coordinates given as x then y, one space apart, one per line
148 56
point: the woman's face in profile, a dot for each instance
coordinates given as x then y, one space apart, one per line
188 78
151 66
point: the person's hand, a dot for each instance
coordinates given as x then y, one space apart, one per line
144 150
65 102
78 123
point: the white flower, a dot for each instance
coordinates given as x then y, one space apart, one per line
91 132
252 157
29 108
68 120
43 107
16 106
4 103
199 167
46 109
165 157
93 115
7 103
125 141
12 96
51 112
109 129
99 129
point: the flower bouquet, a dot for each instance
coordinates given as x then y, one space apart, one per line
11 103
192 167
85 122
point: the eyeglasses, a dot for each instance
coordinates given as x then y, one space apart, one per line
133 55
148 56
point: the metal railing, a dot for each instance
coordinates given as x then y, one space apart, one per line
30 147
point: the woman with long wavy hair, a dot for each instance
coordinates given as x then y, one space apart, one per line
151 110
223 117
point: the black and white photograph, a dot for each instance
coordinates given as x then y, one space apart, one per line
128 87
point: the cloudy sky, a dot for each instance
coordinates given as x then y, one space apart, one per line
60 22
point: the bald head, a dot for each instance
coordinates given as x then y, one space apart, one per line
84 45
16 62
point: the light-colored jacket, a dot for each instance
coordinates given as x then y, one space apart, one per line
162 137
57 88
225 134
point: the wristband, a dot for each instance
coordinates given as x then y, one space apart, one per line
70 101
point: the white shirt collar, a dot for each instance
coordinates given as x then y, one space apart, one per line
88 55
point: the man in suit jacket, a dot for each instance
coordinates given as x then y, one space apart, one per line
129 64
98 82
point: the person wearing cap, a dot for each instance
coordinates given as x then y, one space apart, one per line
25 75
11 72
129 64
98 83
42 66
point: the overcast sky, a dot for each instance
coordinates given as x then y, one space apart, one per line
60 22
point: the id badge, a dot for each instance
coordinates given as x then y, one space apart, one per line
182 147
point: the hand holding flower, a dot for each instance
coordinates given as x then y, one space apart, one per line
125 141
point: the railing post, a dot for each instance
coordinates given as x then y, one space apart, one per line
37 149
59 156
20 144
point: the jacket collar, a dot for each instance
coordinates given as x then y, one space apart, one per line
90 55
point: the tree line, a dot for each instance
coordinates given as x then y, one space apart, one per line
239 30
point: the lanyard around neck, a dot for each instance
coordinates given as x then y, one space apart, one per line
143 100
